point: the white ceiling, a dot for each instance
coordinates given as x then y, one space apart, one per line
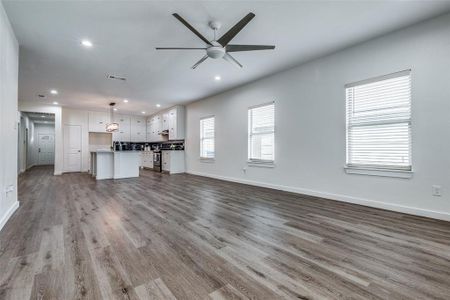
125 34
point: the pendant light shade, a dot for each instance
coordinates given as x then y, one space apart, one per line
112 127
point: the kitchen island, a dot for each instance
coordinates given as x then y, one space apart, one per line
107 164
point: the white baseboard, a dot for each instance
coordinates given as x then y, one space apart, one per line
8 214
344 198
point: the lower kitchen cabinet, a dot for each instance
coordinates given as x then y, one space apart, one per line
173 161
147 159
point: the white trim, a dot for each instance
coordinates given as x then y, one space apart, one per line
8 214
207 159
379 78
344 198
261 163
379 172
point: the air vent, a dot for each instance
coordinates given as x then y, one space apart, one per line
116 77
41 96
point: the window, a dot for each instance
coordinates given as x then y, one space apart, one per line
207 138
261 133
379 123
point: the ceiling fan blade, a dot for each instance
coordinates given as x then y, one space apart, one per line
185 23
232 60
238 48
199 62
179 48
230 34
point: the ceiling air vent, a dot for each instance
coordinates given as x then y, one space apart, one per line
116 77
41 96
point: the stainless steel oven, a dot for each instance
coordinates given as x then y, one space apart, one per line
157 165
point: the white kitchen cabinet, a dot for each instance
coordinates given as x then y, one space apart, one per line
171 122
97 121
154 128
165 121
147 159
173 161
176 123
138 129
124 133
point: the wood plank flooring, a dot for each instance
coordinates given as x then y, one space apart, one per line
188 237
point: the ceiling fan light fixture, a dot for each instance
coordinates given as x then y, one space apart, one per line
220 48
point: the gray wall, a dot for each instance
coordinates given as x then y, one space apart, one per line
9 50
310 124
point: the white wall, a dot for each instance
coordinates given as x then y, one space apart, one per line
310 124
9 117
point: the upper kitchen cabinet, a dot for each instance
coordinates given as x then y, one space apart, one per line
176 123
97 121
154 127
122 120
167 125
165 121
138 129
124 133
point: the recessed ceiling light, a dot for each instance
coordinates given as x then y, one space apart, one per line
115 109
217 78
143 112
125 100
86 43
54 92
158 105
55 103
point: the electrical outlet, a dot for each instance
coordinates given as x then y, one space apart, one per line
436 190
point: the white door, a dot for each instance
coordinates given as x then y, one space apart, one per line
72 148
46 149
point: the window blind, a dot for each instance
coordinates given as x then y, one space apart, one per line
207 138
261 133
379 122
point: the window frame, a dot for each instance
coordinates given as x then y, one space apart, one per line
380 170
210 159
255 161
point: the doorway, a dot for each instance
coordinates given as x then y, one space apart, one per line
37 140
72 148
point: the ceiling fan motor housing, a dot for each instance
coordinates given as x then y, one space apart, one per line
215 51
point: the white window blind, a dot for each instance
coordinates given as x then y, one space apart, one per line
379 122
207 138
261 133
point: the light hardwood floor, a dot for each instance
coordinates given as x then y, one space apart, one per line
189 237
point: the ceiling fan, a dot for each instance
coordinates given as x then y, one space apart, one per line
221 47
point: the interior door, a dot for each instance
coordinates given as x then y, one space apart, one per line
46 149
72 148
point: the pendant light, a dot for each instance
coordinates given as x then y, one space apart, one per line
112 127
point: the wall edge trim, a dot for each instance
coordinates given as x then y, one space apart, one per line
336 197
